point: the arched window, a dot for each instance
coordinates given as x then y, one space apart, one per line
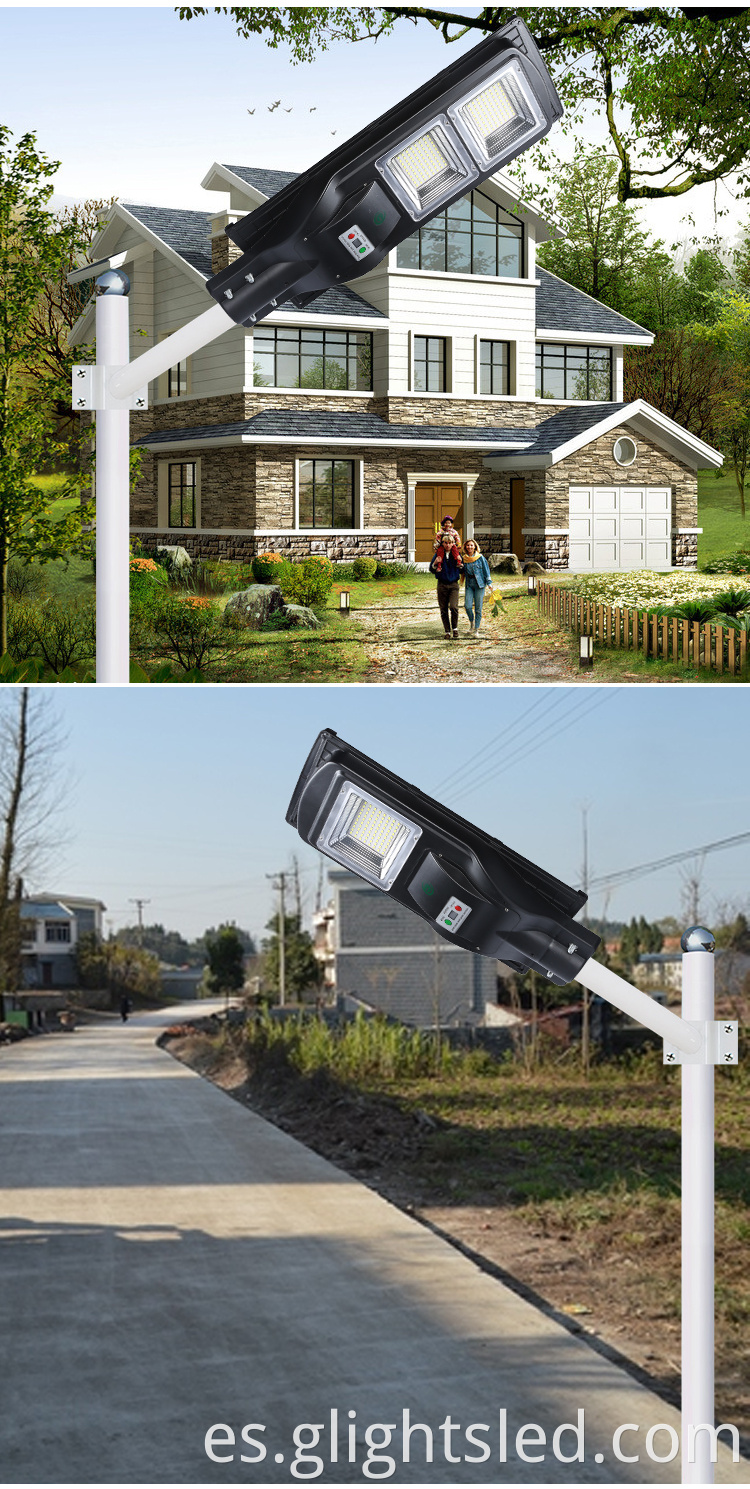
474 236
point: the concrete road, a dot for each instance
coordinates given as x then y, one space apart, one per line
171 1262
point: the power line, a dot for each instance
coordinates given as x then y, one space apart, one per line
522 750
623 876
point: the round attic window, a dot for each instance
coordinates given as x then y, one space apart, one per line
625 450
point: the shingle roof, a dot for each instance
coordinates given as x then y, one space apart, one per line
189 235
269 182
560 307
568 422
289 424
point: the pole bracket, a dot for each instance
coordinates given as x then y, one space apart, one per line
90 392
719 1044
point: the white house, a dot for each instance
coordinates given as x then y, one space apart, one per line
458 378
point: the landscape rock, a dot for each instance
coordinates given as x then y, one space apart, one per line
302 615
505 563
255 604
179 556
532 567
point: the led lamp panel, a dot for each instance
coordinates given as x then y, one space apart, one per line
366 837
428 169
496 119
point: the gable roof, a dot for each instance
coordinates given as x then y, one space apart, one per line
188 234
269 182
562 307
570 429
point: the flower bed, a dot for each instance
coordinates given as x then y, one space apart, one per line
643 589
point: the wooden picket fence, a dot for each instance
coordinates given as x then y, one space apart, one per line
690 643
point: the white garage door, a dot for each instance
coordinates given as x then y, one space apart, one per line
620 527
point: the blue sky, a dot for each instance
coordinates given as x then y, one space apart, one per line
137 104
181 792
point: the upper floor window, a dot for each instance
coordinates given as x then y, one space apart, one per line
307 358
430 359
474 236
177 380
326 493
494 367
182 492
574 372
55 930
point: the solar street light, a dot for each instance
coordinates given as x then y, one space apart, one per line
480 894
332 224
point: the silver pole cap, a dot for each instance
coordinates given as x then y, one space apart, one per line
113 282
697 938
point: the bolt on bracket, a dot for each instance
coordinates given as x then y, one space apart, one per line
719 1046
90 390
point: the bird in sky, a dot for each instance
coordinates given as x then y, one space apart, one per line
273 106
251 111
313 110
334 131
288 111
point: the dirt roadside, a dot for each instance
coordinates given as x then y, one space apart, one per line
605 1298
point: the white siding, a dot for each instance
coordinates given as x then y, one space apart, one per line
215 369
460 308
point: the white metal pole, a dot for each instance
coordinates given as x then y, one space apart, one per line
112 490
697 1219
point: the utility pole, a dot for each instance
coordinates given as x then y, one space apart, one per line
586 1019
319 888
140 904
297 891
279 882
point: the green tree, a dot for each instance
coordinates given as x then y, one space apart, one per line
730 333
302 970
120 969
671 83
168 946
683 375
638 938
705 276
32 248
225 957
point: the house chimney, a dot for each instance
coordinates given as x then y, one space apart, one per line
223 250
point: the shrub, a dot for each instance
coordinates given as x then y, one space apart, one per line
146 577
22 642
266 568
63 634
189 631
23 581
203 577
307 582
364 567
729 563
393 569
280 621
732 601
701 611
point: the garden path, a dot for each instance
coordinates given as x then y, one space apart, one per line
406 645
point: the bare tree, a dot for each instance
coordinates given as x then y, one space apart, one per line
30 789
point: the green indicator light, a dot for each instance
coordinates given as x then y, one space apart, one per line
379 219
428 889
363 250
446 922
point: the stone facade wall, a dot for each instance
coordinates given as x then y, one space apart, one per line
223 252
595 465
233 546
473 412
685 550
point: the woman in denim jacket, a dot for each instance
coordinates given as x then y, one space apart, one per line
477 576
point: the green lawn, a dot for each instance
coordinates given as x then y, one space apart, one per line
719 515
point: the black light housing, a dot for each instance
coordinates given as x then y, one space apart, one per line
470 887
341 217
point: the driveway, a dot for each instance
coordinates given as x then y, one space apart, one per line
171 1262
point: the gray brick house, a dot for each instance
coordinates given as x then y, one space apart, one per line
458 378
385 958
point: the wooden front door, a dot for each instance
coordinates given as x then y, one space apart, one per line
517 518
432 502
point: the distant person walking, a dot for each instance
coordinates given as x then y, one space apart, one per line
477 579
446 566
125 1007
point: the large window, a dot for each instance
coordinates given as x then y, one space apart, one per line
326 493
430 360
494 366
182 490
287 358
474 236
575 372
